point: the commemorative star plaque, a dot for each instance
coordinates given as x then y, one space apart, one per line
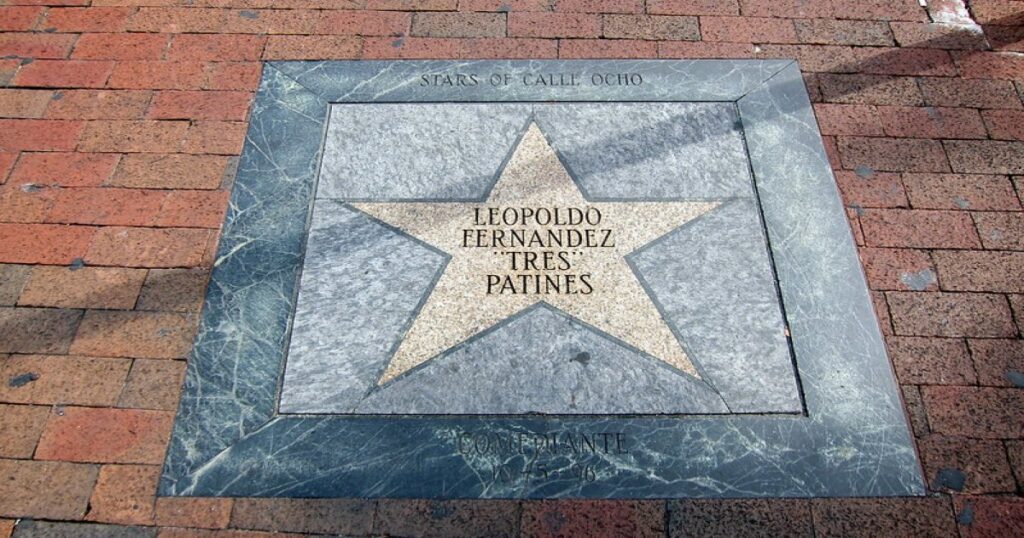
537 279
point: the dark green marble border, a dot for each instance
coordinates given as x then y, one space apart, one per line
227 441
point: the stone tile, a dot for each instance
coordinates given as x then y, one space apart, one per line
989 516
45 489
931 361
12 280
210 513
966 465
740 517
1004 231
29 528
591 518
327 516
950 314
37 330
972 270
174 290
20 428
135 334
104 435
153 384
929 516
984 413
960 191
124 494
83 287
998 362
44 379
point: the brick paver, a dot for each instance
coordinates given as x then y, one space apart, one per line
121 123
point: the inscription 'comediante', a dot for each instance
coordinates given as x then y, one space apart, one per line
540 246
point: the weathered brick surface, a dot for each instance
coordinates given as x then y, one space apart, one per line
21 426
950 314
589 518
740 517
45 489
977 412
154 335
153 384
918 229
893 154
333 516
214 513
37 330
989 516
931 361
967 270
148 247
124 494
103 435
986 156
86 287
998 362
61 379
966 465
871 189
960 191
929 516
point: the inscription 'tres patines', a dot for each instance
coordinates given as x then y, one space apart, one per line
528 79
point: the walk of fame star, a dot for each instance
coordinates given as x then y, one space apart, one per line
464 302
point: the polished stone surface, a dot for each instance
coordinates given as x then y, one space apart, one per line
851 438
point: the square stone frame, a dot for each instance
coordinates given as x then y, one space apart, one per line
228 440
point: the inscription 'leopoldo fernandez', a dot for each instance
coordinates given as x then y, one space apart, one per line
529 79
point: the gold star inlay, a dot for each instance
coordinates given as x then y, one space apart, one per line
523 245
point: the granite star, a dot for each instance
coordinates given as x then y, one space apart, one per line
536 238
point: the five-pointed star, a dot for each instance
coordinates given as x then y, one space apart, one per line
459 306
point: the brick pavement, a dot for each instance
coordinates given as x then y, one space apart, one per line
120 123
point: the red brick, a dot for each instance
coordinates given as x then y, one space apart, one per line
26 203
64 74
869 89
1006 38
968 270
12 280
931 361
1015 449
893 154
124 494
957 92
215 137
7 527
153 384
553 25
998 361
918 229
590 518
412 48
39 135
200 105
950 314
931 122
915 409
997 12
997 65
653 27
1004 124
134 334
6 164
106 206
99 104
306 47
858 235
860 120
232 76
85 287
692 7
170 171
1001 230
938 36
371 23
35 45
8 67
19 19
843 32
521 5
43 243
21 426
45 489
814 58
134 136
458 24
91 19
60 380
881 189
24 103
896 61
174 290
982 464
985 156
121 47
898 269
334 516
193 209
193 512
270 21
854 518
599 6
216 48
990 516
178 20
448 518
980 412
148 247
508 48
155 75
64 169
748 30
602 48
739 517
703 49
960 191
86 434
412 5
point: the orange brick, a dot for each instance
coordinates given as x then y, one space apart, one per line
106 206
601 48
145 75
124 494
37 330
232 76
45 489
270 21
1004 124
99 105
302 47
748 30
23 103
814 58
134 136
35 45
6 164
931 122
177 20
19 18
25 203
121 46
39 135
458 24
200 105
371 23
21 426
91 19
64 74
193 512
43 243
148 247
216 48
170 171
554 25
653 27
85 287
153 384
173 290
215 137
150 335
102 435
913 228
64 169
193 209
59 379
